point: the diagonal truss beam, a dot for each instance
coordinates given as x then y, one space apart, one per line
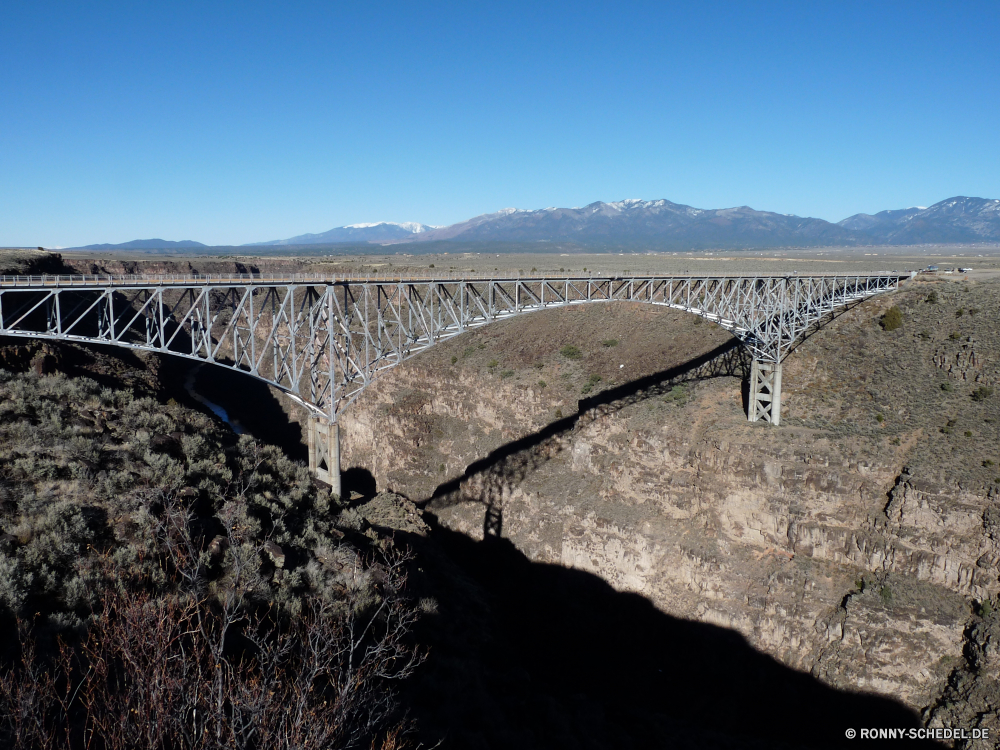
323 341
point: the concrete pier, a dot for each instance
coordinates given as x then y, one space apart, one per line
324 452
765 392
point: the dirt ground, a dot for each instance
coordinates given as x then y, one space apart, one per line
984 261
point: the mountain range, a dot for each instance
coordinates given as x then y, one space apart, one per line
956 220
154 244
663 225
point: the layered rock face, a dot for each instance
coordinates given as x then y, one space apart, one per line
858 541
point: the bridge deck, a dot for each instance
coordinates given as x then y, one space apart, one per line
103 281
323 338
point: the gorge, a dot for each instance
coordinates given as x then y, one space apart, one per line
607 554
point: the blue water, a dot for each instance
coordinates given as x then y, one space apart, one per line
190 386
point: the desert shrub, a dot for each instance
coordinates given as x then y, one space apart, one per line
954 335
149 473
592 381
454 359
165 672
609 342
542 384
892 319
885 594
507 374
982 393
146 533
678 394
571 352
946 387
959 312
932 298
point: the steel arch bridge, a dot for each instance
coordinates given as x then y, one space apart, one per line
323 340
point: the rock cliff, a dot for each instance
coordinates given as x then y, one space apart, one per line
858 541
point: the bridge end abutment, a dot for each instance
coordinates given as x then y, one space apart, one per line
324 452
765 392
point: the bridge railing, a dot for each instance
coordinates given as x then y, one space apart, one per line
380 277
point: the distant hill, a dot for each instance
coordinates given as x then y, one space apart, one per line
958 220
143 245
382 231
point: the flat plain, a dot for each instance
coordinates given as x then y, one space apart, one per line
985 261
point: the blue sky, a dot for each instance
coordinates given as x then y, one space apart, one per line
242 122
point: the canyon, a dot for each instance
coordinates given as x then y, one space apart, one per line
858 542
574 487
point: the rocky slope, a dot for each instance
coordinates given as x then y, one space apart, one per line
857 542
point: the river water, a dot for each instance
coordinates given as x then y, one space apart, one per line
190 385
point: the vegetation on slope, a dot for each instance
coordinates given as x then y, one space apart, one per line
165 585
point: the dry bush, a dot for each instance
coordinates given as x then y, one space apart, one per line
892 319
185 672
141 546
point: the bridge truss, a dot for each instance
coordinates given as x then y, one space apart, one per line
324 340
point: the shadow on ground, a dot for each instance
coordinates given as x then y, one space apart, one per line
358 485
528 655
484 480
531 655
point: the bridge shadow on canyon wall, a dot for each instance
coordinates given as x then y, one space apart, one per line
484 481
533 655
529 655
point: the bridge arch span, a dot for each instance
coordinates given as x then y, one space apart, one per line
323 340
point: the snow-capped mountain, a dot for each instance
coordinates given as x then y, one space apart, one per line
656 224
382 231
958 219
664 225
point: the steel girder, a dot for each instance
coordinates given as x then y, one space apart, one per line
323 341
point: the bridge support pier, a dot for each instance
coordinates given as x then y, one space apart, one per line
324 452
765 392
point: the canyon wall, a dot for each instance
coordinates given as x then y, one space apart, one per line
858 541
